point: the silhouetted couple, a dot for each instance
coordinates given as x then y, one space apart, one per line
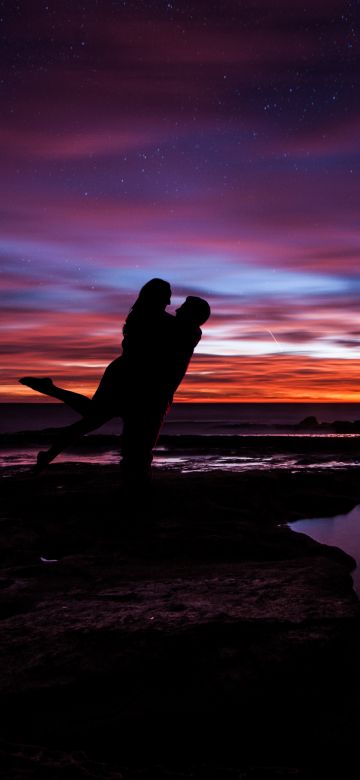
139 385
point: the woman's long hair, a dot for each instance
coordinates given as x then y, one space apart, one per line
153 298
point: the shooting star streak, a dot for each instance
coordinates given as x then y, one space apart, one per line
273 337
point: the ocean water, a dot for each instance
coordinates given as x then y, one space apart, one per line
340 531
195 419
209 421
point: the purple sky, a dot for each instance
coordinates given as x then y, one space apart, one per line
214 144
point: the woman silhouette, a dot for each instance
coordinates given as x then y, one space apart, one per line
145 335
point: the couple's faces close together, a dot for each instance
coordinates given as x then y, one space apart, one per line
195 310
189 309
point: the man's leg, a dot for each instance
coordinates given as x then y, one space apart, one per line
140 433
80 403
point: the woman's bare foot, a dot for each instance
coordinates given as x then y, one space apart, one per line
41 384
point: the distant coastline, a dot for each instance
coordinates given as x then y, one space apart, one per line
200 436
202 417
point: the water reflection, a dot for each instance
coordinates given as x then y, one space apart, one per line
340 531
187 461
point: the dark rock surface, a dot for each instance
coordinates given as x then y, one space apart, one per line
184 633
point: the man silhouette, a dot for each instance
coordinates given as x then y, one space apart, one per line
144 414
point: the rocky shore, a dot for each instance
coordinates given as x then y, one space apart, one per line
183 632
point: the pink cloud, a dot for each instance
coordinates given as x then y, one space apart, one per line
336 137
70 145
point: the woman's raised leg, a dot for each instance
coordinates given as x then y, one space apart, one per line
80 403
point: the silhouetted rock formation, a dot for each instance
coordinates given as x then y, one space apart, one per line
308 423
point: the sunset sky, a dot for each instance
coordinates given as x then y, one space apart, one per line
213 144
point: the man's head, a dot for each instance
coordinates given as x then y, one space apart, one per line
194 310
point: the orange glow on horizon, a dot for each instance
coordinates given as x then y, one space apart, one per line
231 379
